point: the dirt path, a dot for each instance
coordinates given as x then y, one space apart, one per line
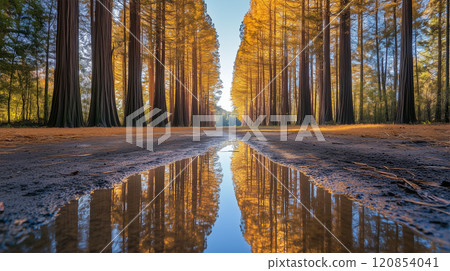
432 134
42 169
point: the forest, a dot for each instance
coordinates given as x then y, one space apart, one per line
341 61
101 149
91 63
345 61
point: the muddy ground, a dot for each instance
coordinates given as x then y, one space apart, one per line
403 174
37 179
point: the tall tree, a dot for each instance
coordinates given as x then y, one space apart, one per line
160 96
134 100
384 65
326 111
124 55
66 102
184 78
103 110
437 116
273 58
377 47
285 71
345 110
447 66
92 15
304 103
405 109
394 101
195 105
180 89
50 19
361 66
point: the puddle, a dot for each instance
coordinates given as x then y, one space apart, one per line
228 200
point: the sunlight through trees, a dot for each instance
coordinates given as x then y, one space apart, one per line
340 61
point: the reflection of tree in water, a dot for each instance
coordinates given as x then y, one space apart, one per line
180 218
274 221
67 223
133 208
100 221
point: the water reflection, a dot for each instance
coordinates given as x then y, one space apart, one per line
256 213
178 220
275 221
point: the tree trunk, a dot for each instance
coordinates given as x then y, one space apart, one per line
384 75
160 95
47 57
447 67
361 69
23 94
178 118
394 101
151 80
336 68
438 116
304 103
377 46
11 77
29 109
326 111
194 95
151 60
200 82
313 91
172 90
405 108
263 82
134 100
103 110
47 73
185 91
37 92
417 88
285 74
345 112
269 102
66 102
258 76
92 4
124 59
319 78
273 93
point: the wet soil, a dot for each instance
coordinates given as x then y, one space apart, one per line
40 175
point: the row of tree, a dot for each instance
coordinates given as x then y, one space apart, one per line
105 59
344 61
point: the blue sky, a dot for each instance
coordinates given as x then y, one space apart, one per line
227 16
